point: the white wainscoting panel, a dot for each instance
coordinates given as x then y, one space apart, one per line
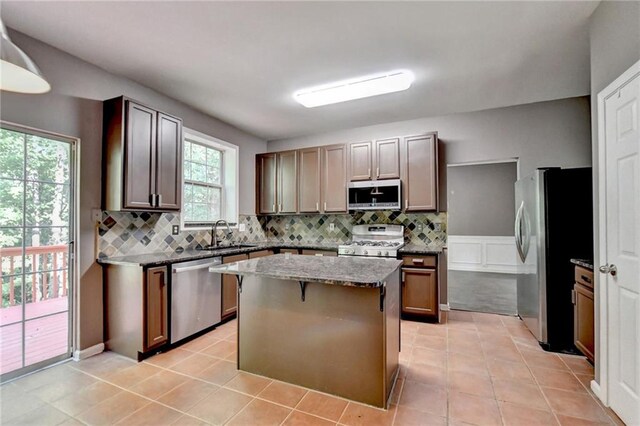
482 253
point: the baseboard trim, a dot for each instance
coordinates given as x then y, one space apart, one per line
88 352
595 387
445 307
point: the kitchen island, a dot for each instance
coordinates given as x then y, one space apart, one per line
326 323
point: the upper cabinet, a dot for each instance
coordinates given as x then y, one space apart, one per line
420 172
277 186
309 180
373 160
287 182
334 179
266 181
142 158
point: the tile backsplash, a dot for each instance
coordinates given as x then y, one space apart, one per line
125 233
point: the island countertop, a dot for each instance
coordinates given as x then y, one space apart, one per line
346 271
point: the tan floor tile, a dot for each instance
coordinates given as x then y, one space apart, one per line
580 405
461 325
86 398
44 415
511 321
220 349
494 329
467 347
259 413
431 342
455 315
517 415
298 418
187 420
71 422
486 318
409 326
429 357
585 379
557 379
406 416
194 364
71 382
44 377
113 409
578 364
462 335
220 406
474 409
15 403
520 393
425 398
363 415
131 376
187 394
103 364
325 406
515 371
431 330
248 383
467 364
152 414
397 390
158 384
408 338
574 421
470 383
169 358
283 393
543 359
427 374
202 342
219 373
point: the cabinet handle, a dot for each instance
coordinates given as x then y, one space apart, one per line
417 260
325 206
377 171
586 279
403 278
369 172
318 206
279 207
573 297
406 204
152 200
159 200
274 208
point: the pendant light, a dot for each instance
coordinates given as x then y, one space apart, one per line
18 73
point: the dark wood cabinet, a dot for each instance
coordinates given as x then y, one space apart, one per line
419 155
156 305
334 179
261 253
360 160
142 150
584 312
230 288
387 158
420 287
309 167
287 192
309 252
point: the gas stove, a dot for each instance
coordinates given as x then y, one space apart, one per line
374 241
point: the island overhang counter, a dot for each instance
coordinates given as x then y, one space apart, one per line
327 323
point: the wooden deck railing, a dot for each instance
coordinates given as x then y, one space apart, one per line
47 274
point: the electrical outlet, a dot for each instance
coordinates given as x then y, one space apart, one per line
287 226
175 230
332 226
419 227
241 227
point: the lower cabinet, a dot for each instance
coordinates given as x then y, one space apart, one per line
583 313
137 320
307 252
230 288
420 289
261 253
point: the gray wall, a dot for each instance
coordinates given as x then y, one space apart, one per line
481 199
614 33
74 108
554 133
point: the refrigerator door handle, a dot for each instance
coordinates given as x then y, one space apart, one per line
518 232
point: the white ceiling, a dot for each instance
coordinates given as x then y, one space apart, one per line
241 61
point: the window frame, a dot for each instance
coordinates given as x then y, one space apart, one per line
229 178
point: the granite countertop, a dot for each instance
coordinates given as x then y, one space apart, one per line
421 249
158 259
584 263
346 271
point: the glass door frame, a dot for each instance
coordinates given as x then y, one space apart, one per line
72 265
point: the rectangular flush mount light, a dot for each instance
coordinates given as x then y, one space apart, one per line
355 88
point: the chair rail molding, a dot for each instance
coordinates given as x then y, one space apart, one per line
480 253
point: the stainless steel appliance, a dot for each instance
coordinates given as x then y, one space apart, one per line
196 297
375 195
374 241
553 225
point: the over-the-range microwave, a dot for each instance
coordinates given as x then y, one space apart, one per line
375 195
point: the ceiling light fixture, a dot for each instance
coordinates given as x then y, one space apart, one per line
18 73
355 88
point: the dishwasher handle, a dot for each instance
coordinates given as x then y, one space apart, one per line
177 270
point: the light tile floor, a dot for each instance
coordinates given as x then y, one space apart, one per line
479 369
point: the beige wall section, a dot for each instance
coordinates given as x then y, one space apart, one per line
614 32
74 108
543 134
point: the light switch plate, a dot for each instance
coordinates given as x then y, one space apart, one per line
332 226
175 230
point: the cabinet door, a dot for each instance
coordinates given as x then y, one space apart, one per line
360 160
230 288
261 253
156 304
420 176
139 164
329 253
419 292
309 180
583 321
387 158
266 176
169 163
334 179
288 182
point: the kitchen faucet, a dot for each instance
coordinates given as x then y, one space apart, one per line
214 232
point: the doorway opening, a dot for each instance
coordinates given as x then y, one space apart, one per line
37 205
481 243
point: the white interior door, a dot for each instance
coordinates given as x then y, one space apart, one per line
621 273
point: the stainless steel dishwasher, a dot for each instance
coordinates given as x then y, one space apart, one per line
196 297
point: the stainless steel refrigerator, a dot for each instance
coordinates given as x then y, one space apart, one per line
554 223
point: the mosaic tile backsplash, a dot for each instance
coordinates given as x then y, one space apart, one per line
126 233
